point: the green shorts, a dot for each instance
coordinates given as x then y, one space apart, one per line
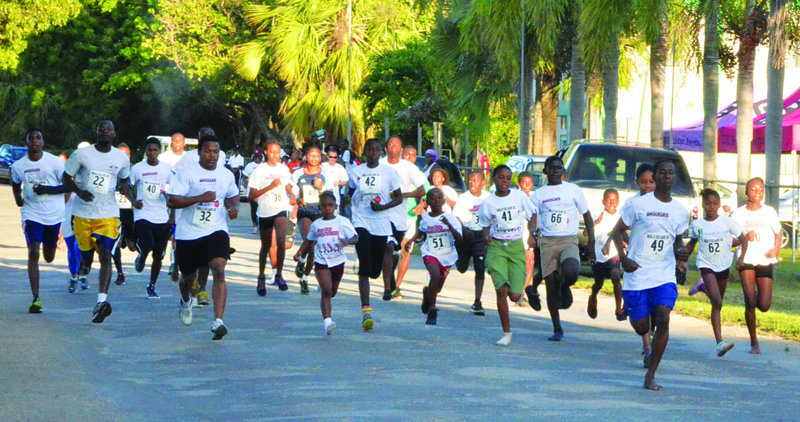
505 262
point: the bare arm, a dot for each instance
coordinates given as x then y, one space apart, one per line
178 202
616 234
587 221
16 189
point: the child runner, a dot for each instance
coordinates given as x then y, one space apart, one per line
502 216
441 180
328 235
606 264
656 222
466 209
715 233
763 229
441 231
309 182
413 211
525 183
557 207
258 157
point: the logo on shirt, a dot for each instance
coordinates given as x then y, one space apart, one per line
35 170
551 200
208 180
327 231
657 214
150 174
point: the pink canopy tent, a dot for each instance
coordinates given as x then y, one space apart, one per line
791 129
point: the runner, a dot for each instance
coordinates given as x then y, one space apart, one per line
440 231
73 252
334 172
37 189
377 190
502 216
412 181
558 205
258 158
236 163
413 211
716 234
466 209
152 222
656 222
606 264
763 229
94 173
176 151
295 161
126 225
328 235
308 182
525 183
270 189
205 193
441 180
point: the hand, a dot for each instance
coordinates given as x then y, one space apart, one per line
37 189
233 212
318 183
751 236
209 196
86 196
740 263
296 256
682 254
532 241
406 245
606 250
138 204
346 201
682 267
590 256
300 202
375 206
275 183
629 265
488 240
420 208
772 253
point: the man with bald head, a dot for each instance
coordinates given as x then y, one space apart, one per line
176 150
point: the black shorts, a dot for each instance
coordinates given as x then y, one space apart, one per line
370 253
762 271
477 246
397 238
267 223
311 212
126 222
602 270
719 275
193 254
152 237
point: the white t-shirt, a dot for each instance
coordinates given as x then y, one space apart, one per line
47 171
250 168
329 235
150 183
467 208
654 226
193 157
371 183
448 192
507 215
602 231
439 242
765 222
170 157
276 199
98 172
558 209
714 242
204 218
236 161
411 178
334 174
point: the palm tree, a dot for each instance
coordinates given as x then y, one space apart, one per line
710 91
778 11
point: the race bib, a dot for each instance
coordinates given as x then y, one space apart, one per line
151 190
507 219
715 249
99 182
370 184
439 243
474 221
275 194
310 194
27 189
556 220
656 247
204 216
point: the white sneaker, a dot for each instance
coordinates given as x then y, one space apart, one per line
505 341
328 326
219 329
186 311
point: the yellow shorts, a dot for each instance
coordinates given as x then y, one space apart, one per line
91 232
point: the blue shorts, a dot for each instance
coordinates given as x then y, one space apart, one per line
642 303
40 233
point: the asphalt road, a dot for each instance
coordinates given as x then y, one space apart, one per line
275 363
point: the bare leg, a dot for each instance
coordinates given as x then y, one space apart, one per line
325 285
388 259
660 339
713 289
104 279
750 302
266 244
553 287
33 268
279 230
219 290
402 265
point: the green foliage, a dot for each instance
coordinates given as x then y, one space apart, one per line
21 19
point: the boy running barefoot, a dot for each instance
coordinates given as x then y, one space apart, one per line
715 233
503 216
656 222
441 231
607 261
473 246
328 236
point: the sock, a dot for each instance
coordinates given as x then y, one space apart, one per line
274 273
74 276
101 297
366 308
302 260
327 320
505 341
218 321
304 278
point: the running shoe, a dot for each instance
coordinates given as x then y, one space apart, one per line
699 287
195 289
432 314
477 309
151 292
723 348
73 285
139 263
101 311
566 295
521 302
261 288
366 321
328 326
185 311
303 287
36 307
84 283
171 269
219 329
282 286
533 298
557 336
202 300
387 295
425 306
397 294
120 279
300 269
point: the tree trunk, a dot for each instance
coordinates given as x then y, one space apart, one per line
538 122
710 93
549 114
577 94
526 147
658 59
744 102
611 89
775 72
